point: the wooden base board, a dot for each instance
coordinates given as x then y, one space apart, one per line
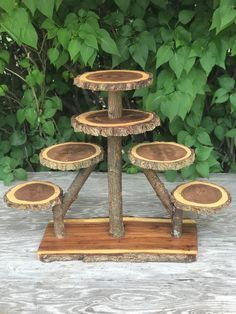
145 240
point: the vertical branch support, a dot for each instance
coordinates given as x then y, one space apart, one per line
59 211
115 169
58 221
164 196
177 223
160 189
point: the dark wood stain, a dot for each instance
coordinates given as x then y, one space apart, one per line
127 116
201 193
34 192
161 152
114 76
139 236
71 152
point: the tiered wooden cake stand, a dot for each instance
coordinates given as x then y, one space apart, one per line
118 238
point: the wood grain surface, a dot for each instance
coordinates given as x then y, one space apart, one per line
145 239
29 286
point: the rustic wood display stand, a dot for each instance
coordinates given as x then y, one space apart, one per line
118 238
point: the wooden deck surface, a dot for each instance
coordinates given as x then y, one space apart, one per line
29 286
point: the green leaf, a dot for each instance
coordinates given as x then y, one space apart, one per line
219 132
5 56
20 174
31 116
53 54
232 99
29 36
171 175
208 59
177 63
31 5
223 16
86 53
46 7
204 138
164 54
20 115
139 53
17 138
49 128
63 36
226 82
3 89
221 95
132 170
231 133
8 179
189 140
7 5
185 16
74 47
203 152
139 25
34 78
123 4
49 113
91 41
188 171
203 169
107 43
185 85
5 147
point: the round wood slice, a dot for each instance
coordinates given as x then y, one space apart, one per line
113 80
71 156
98 123
161 156
200 196
34 195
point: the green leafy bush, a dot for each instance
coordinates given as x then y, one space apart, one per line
189 46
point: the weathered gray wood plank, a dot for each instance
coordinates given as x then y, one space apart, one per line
29 286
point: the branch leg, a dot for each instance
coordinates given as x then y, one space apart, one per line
75 187
159 188
59 211
177 223
58 221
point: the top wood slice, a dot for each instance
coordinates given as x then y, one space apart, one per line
113 80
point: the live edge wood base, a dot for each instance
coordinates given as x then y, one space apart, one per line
145 240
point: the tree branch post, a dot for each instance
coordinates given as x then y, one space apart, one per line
160 189
177 223
59 211
115 168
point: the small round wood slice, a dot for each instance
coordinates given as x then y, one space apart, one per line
161 156
98 123
34 195
113 80
71 156
200 196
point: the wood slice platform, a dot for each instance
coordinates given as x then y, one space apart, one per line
113 80
71 156
161 156
200 196
131 122
146 239
34 195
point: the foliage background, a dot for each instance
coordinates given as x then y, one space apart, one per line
189 46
